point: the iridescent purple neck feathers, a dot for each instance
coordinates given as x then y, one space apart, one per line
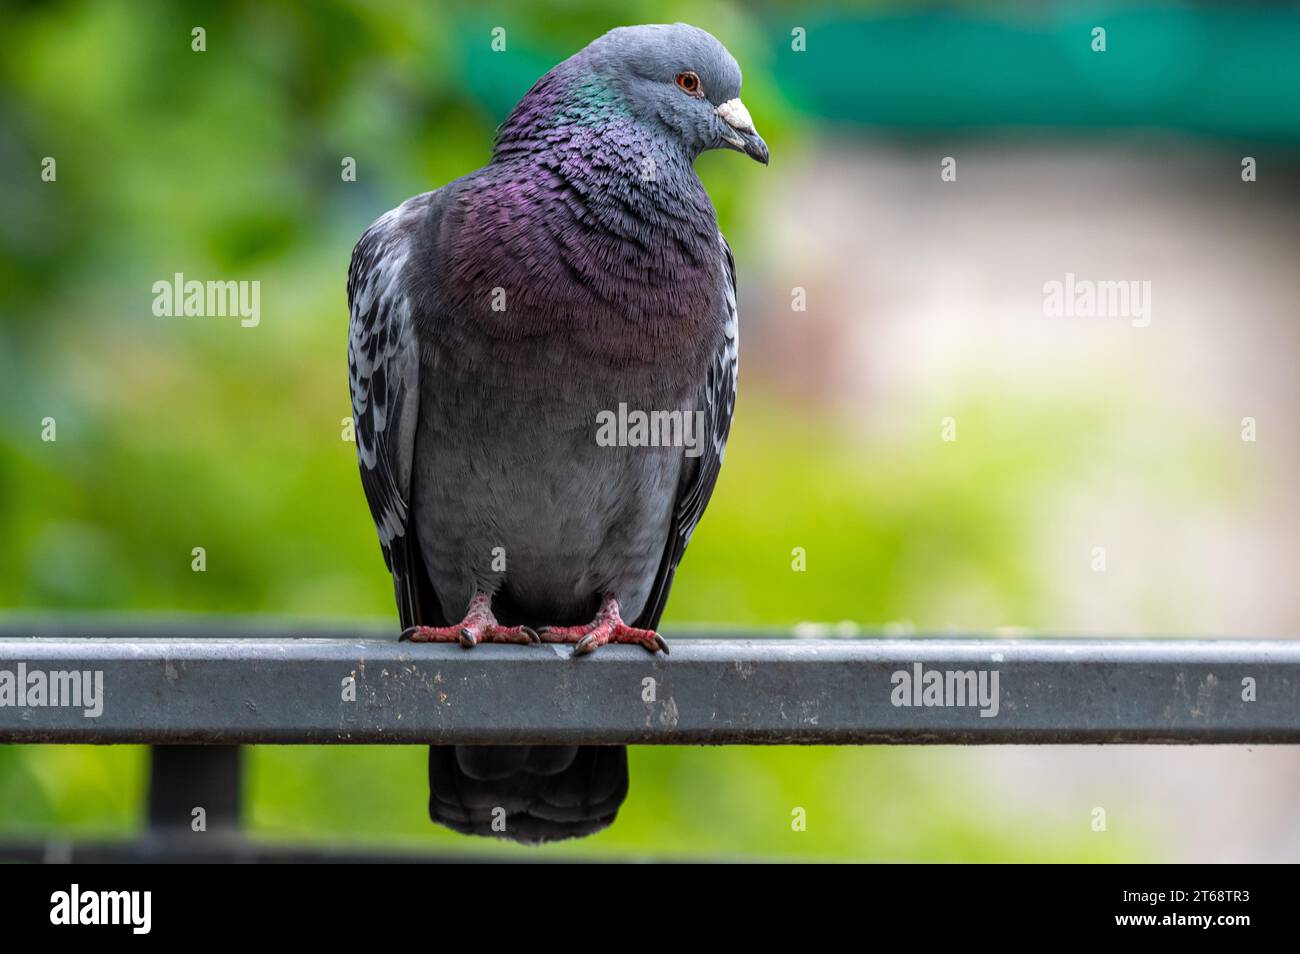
587 218
569 98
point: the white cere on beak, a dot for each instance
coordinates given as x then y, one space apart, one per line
735 115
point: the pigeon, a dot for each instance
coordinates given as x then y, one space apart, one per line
497 324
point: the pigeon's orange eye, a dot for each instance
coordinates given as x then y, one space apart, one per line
690 83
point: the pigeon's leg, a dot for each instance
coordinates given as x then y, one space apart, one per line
607 627
478 626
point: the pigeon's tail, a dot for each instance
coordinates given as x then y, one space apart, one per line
527 793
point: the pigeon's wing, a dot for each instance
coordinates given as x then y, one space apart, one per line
383 371
718 401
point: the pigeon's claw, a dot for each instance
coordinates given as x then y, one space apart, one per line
478 626
471 636
620 633
607 627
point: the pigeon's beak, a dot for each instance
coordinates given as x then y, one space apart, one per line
738 132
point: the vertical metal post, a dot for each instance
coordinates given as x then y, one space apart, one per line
185 778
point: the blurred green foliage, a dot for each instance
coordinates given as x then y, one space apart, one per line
174 434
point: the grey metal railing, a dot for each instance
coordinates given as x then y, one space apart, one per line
197 691
214 688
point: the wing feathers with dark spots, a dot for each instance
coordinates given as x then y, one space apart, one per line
383 371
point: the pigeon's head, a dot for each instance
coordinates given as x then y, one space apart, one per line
681 80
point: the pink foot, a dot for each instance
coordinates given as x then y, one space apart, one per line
607 627
478 626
